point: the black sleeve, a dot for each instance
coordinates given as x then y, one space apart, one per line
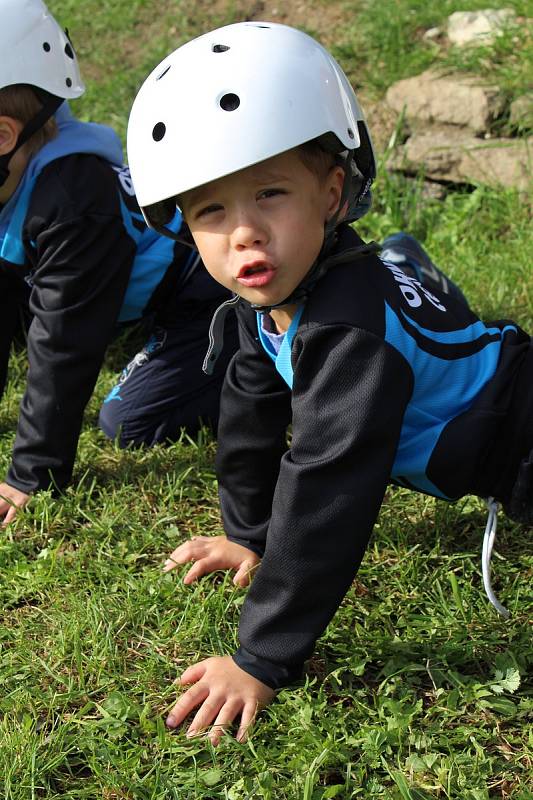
13 298
349 396
83 262
252 437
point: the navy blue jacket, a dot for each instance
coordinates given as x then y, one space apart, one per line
389 383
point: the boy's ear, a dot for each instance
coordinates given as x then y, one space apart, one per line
9 133
335 186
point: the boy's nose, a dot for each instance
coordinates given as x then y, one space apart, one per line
247 232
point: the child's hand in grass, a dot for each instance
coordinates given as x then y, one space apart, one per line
210 553
224 692
11 500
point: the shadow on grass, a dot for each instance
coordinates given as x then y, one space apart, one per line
133 465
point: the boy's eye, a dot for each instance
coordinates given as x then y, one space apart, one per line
273 192
210 209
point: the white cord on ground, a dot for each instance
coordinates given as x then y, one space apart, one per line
488 544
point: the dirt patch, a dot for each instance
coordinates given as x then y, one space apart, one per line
325 21
318 18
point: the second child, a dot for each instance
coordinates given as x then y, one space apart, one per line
77 260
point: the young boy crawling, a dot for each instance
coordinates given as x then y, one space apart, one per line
76 261
382 380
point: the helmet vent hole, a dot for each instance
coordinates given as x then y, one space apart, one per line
220 48
163 73
159 131
69 51
68 82
351 133
230 102
46 47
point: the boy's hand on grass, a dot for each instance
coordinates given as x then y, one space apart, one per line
211 553
11 500
224 692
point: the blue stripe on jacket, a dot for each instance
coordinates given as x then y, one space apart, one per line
154 252
450 369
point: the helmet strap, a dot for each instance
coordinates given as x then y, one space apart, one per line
50 105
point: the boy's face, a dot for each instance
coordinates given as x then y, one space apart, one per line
260 230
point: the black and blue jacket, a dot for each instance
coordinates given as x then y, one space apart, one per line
382 382
72 238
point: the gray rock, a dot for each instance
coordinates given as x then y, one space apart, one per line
449 99
430 190
451 154
521 112
478 27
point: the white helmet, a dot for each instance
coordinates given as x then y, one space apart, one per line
36 51
232 98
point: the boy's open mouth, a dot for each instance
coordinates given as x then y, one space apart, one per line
257 273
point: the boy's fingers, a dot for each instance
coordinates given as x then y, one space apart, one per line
205 715
11 514
180 555
243 576
192 674
198 569
225 717
188 551
192 698
248 716
5 506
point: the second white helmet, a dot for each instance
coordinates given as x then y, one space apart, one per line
232 98
36 51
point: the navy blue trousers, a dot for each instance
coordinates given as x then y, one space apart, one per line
163 390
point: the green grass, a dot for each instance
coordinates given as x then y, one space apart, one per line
416 691
383 43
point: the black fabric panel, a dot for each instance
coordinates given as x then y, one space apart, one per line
255 410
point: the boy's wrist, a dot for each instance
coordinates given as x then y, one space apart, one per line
28 487
255 547
272 674
18 485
